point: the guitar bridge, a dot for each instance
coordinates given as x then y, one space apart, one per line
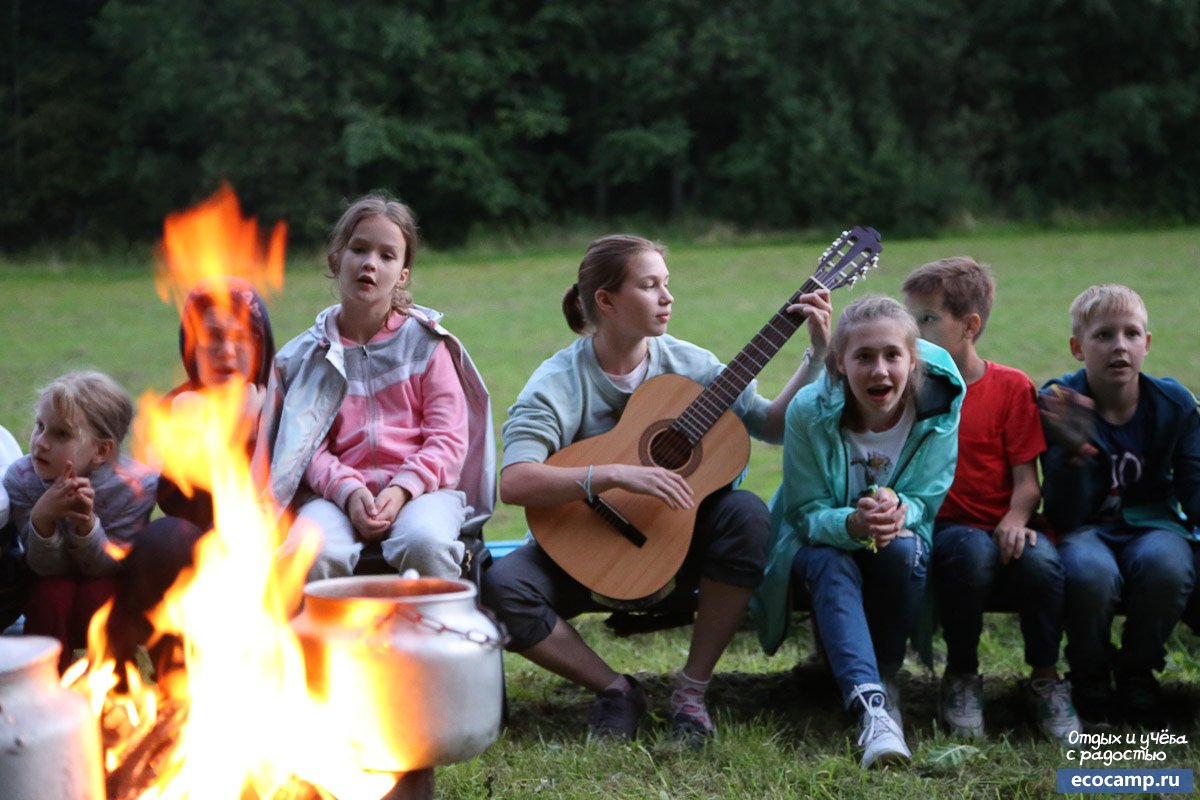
616 521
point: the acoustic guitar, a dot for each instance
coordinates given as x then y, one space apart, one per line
626 547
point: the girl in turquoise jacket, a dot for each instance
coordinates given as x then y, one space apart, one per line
869 454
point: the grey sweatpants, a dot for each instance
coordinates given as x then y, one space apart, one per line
424 536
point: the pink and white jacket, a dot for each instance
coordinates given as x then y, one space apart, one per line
407 409
402 422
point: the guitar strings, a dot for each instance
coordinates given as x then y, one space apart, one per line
710 404
703 412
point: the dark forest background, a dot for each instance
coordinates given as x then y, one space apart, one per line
504 114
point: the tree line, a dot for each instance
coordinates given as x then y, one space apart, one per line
762 113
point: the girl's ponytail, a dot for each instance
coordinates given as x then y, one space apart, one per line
572 309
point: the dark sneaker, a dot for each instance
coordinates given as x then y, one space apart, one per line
1092 697
1141 700
1050 702
616 714
690 721
960 705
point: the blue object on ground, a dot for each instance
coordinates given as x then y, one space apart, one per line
504 546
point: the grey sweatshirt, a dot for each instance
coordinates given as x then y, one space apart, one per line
124 500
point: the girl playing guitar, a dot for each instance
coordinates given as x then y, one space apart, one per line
622 305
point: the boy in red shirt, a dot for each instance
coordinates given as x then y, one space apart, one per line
983 547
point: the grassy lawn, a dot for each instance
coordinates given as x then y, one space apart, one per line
782 733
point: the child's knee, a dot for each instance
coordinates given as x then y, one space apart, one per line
497 588
506 590
1038 565
1086 557
816 564
430 554
1163 562
905 554
331 563
968 559
1093 580
1168 577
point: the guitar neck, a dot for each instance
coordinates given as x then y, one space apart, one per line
715 400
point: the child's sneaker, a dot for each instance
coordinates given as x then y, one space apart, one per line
616 714
1050 702
960 705
892 690
881 739
1141 700
1092 698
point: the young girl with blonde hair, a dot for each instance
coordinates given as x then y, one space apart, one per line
74 498
868 457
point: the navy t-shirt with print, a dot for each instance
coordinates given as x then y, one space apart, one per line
1124 446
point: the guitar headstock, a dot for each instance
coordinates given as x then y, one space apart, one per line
848 258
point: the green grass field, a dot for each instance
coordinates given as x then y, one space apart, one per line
782 733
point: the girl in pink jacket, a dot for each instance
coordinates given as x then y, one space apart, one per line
365 429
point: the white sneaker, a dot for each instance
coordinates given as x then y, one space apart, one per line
960 705
881 739
1052 708
892 689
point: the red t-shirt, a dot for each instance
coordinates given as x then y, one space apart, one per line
1000 428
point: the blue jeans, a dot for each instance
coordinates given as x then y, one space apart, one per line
1150 570
968 575
865 604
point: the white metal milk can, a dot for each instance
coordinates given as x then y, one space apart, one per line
49 739
413 662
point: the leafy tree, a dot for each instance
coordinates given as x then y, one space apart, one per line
225 90
903 113
55 102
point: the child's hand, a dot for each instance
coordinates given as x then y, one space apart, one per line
879 517
1011 540
667 485
364 516
1069 420
70 497
891 526
818 313
389 502
886 497
85 500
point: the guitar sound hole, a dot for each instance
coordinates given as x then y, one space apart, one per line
670 449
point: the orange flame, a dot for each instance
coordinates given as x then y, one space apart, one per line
251 725
213 241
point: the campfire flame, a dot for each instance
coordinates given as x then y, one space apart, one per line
212 241
242 722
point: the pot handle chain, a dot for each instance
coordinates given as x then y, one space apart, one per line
475 636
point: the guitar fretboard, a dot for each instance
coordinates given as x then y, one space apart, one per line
705 410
